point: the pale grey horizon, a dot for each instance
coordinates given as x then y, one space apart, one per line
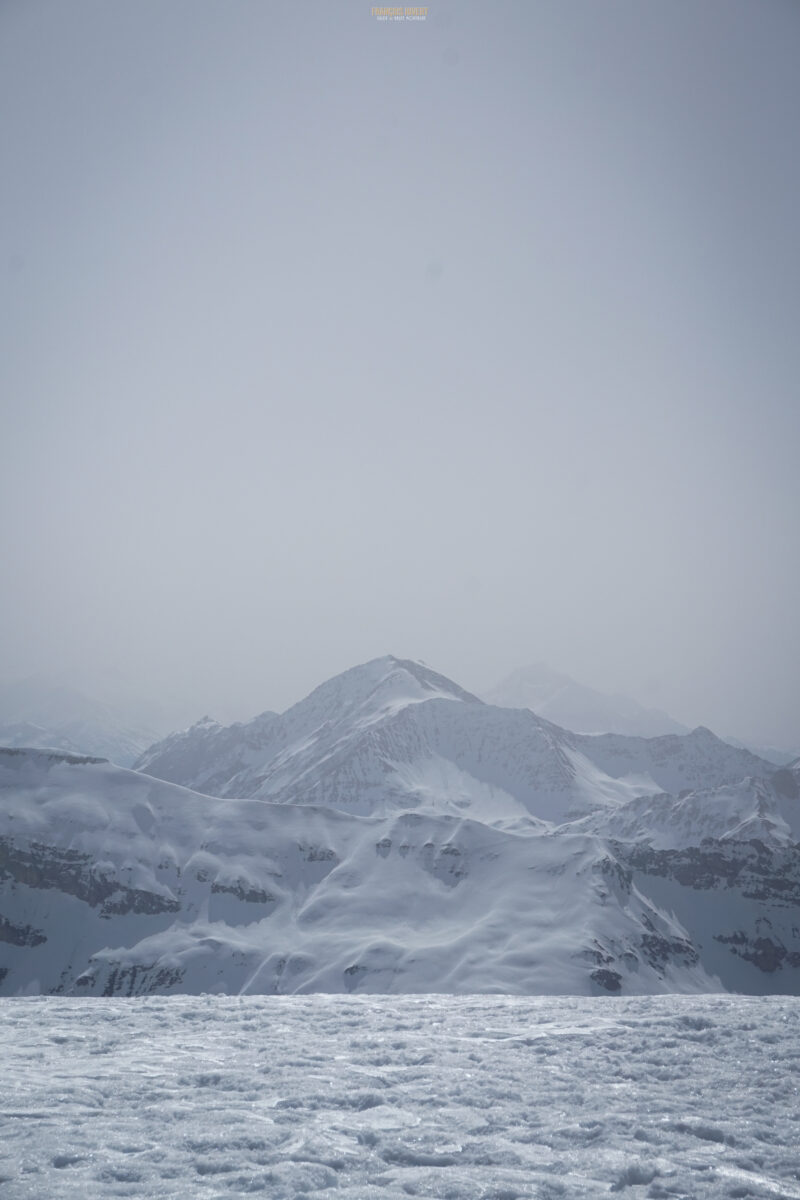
471 339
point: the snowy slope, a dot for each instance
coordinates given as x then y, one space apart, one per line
112 882
574 706
764 809
391 832
209 754
391 735
673 763
116 882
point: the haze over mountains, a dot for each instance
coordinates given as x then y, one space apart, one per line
393 734
104 716
45 713
393 832
582 709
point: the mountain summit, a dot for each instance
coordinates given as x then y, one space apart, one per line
393 735
391 832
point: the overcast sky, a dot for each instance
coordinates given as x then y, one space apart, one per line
473 339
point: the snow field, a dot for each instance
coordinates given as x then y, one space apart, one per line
459 1098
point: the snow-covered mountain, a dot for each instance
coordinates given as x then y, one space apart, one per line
393 833
582 709
116 883
574 706
392 735
46 713
778 755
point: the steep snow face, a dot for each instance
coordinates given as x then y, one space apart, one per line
117 883
395 746
762 809
236 760
508 764
209 754
366 693
581 709
392 735
673 763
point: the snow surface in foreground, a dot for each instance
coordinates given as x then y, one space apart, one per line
389 1097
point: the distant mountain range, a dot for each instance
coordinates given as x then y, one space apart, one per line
46 713
585 710
103 719
392 832
574 706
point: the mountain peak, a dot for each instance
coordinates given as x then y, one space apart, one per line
374 688
432 681
205 722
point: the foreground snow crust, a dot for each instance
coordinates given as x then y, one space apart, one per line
366 1096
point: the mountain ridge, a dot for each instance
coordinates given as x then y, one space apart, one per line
391 732
46 714
115 883
574 706
399 834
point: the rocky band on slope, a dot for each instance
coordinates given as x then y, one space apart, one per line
393 833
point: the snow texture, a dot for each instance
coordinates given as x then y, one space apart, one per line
382 1098
116 883
395 834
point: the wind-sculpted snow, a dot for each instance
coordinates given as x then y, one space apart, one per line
129 885
767 810
392 833
382 1098
114 883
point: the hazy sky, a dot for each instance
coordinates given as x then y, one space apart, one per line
473 339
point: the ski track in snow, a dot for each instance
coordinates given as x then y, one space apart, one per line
490 1097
